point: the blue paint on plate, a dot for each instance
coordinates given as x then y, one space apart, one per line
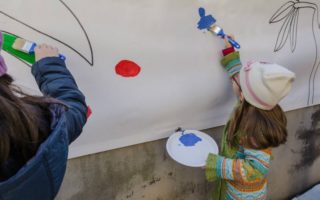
189 139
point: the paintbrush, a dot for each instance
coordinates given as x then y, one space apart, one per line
8 39
28 47
207 22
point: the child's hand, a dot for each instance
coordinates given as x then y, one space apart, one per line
226 42
44 50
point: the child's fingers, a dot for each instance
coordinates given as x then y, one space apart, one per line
39 46
226 42
231 36
44 50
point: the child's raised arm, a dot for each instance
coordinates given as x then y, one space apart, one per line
232 64
231 59
55 80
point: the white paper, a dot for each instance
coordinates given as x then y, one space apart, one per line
181 83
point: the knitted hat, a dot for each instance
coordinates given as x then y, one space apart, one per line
264 84
3 66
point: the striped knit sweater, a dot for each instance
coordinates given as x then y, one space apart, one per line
241 173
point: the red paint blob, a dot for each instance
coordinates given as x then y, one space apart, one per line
89 111
127 68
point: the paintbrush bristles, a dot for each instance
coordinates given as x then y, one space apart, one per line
23 45
215 29
18 44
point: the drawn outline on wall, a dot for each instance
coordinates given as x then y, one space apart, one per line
90 60
289 12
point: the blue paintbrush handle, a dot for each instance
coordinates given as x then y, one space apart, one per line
234 43
62 57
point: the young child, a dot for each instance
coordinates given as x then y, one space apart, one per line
35 131
256 125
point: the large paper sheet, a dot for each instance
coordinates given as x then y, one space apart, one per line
181 83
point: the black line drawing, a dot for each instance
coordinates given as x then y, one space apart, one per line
289 14
90 60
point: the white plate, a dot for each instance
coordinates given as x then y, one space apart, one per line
191 147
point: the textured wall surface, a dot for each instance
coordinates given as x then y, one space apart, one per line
145 171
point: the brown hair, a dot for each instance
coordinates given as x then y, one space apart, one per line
21 122
256 128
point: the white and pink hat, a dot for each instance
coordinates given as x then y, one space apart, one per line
264 84
3 66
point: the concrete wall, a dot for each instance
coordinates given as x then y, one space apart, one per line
145 171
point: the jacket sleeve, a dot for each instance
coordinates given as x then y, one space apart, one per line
254 166
55 80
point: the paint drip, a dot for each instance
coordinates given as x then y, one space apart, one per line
189 139
127 68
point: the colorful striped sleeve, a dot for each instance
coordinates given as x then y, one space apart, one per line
231 63
253 167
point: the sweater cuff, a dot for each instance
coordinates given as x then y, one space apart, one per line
211 172
227 51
